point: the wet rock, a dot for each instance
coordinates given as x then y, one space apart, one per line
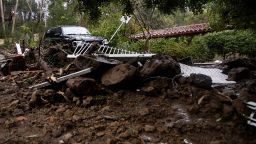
160 66
119 75
200 80
149 128
82 86
18 112
238 74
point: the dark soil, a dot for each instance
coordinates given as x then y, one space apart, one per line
177 114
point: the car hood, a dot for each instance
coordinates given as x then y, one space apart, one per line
84 37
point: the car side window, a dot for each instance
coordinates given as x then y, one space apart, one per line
55 32
58 31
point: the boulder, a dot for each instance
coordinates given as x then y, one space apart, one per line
238 74
200 80
240 62
82 86
119 75
99 64
154 86
160 66
86 61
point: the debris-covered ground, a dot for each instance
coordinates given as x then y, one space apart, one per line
128 103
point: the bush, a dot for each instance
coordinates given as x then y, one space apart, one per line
172 47
221 43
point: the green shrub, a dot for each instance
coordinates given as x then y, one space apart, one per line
221 43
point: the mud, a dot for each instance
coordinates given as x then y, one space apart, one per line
181 113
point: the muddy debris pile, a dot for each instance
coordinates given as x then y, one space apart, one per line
94 99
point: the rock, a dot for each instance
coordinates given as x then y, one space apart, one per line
69 93
238 74
76 118
15 102
125 134
119 75
21 118
35 96
82 86
230 93
99 64
227 110
162 66
253 75
87 61
100 134
218 142
60 110
87 101
251 86
155 86
241 62
67 136
186 61
149 128
105 109
18 112
144 111
49 93
68 113
200 80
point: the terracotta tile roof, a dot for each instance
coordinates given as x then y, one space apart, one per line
175 31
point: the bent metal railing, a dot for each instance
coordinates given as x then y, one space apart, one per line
82 48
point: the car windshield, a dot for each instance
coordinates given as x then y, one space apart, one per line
75 31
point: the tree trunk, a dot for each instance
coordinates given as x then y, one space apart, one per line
2 15
14 15
30 10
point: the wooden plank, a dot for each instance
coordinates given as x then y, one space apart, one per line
63 78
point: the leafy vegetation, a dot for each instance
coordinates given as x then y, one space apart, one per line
224 42
147 14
